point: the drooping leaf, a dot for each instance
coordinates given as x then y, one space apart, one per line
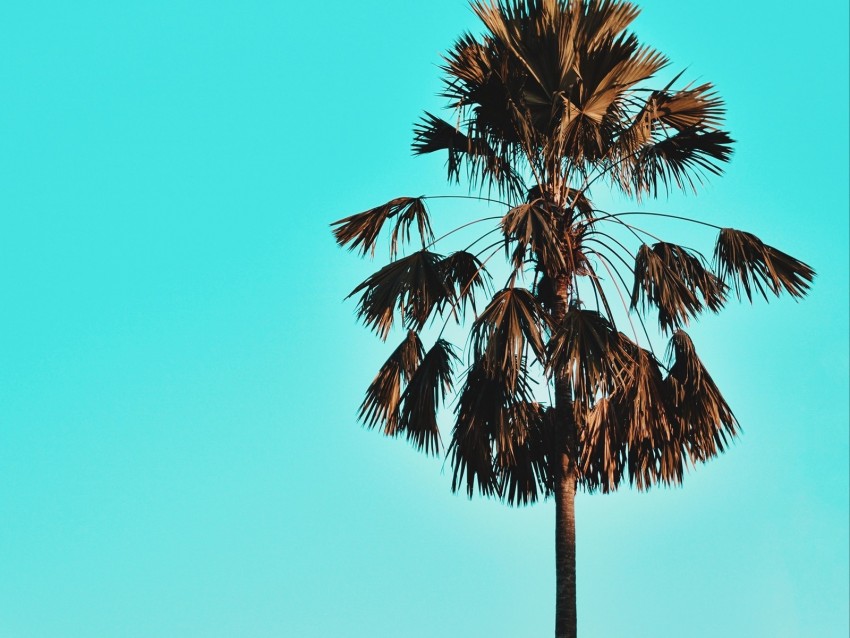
426 390
493 418
655 451
479 412
512 322
466 276
531 226
416 212
747 263
705 420
673 280
523 470
583 349
381 405
361 231
604 447
414 286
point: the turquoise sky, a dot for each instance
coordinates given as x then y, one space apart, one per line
179 374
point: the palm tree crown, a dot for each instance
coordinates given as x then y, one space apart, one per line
553 100
555 92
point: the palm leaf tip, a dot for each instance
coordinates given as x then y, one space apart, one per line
360 231
749 264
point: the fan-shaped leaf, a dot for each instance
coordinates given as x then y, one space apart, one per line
493 417
673 280
584 349
654 446
361 230
435 134
414 286
381 405
744 260
604 447
682 159
522 469
705 420
466 275
512 321
532 226
426 390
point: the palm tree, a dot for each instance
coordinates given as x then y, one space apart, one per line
551 102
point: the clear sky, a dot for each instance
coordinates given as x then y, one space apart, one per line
179 374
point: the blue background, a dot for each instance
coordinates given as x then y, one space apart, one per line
179 374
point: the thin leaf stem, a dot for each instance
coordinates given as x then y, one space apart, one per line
652 214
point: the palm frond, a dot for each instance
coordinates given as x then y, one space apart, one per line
495 417
381 405
655 452
583 349
426 390
523 470
675 281
604 447
415 211
433 134
361 231
414 286
512 320
682 160
697 109
743 260
531 226
705 421
466 275
480 413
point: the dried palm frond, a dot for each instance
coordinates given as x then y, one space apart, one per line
532 226
361 230
523 473
381 405
584 349
435 134
673 280
480 413
689 108
705 419
604 447
512 321
655 453
415 211
466 275
493 416
682 160
744 260
426 390
414 286
698 108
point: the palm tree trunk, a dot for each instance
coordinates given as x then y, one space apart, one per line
565 554
566 625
